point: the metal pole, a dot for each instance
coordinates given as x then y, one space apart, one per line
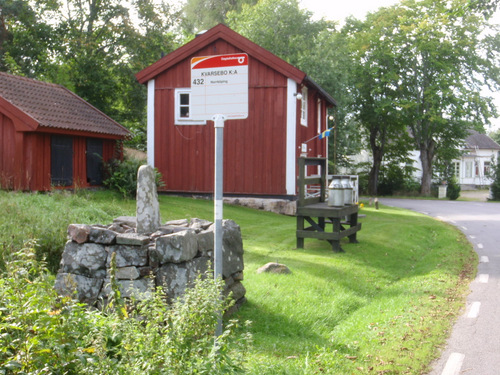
218 208
335 169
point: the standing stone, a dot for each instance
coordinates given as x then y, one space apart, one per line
148 208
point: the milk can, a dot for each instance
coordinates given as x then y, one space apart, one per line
348 188
335 193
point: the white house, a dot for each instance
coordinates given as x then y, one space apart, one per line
479 154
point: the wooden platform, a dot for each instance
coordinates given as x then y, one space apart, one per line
314 210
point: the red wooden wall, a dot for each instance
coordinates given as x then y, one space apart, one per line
254 149
7 152
25 158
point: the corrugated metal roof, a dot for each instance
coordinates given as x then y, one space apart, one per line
480 141
54 106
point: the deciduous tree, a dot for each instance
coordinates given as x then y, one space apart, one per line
374 86
204 14
422 64
445 60
27 38
279 26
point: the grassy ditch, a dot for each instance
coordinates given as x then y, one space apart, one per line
384 306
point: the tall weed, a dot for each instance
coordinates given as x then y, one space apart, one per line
41 333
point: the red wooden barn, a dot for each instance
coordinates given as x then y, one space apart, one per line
51 137
260 152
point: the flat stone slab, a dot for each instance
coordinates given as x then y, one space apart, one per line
178 223
102 236
132 239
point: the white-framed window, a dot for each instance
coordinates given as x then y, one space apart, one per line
487 168
303 107
468 169
182 108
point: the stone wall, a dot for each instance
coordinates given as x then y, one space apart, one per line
171 257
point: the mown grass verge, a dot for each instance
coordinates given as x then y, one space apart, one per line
382 307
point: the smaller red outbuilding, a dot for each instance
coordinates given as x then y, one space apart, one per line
51 137
261 151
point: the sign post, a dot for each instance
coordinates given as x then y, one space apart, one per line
218 195
219 92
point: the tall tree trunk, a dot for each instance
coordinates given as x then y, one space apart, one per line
374 172
426 158
376 133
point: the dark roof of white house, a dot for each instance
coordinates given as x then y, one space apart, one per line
54 106
480 141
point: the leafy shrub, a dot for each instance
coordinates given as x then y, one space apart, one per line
453 190
121 176
41 333
495 185
395 180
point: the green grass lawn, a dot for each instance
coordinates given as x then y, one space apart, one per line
385 306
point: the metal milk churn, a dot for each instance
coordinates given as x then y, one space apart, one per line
336 193
348 188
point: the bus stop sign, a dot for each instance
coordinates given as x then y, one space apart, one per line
219 85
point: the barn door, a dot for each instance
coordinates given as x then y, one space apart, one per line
94 161
61 157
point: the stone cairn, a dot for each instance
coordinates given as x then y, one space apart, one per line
148 255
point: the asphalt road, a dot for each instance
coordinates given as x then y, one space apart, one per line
474 345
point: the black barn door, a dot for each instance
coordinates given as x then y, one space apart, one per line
61 159
94 161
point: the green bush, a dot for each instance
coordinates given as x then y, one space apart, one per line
453 190
495 185
121 176
41 333
396 180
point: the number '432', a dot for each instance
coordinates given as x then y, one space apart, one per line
198 81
